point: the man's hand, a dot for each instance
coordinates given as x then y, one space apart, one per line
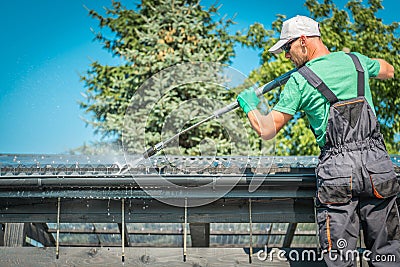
248 100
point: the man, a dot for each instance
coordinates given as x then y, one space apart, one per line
355 177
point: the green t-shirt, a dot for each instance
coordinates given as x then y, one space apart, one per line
338 72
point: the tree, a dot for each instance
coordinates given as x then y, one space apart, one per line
356 29
149 38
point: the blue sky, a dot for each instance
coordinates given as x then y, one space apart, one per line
47 44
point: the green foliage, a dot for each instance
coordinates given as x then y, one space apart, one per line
297 139
356 29
149 38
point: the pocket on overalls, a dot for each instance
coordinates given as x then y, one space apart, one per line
383 178
334 184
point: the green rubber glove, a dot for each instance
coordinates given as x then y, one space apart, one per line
248 100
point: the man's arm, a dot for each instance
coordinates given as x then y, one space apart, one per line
386 70
267 126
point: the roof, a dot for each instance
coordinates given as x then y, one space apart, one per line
96 201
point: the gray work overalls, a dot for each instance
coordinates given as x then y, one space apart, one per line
355 181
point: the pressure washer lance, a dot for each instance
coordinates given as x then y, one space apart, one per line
259 91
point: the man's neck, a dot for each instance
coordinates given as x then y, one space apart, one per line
317 49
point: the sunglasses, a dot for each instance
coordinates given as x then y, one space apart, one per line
286 47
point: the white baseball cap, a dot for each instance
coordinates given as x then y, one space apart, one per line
294 28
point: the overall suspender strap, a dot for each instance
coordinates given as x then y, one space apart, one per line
317 83
360 75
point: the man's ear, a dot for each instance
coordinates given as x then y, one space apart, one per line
303 40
